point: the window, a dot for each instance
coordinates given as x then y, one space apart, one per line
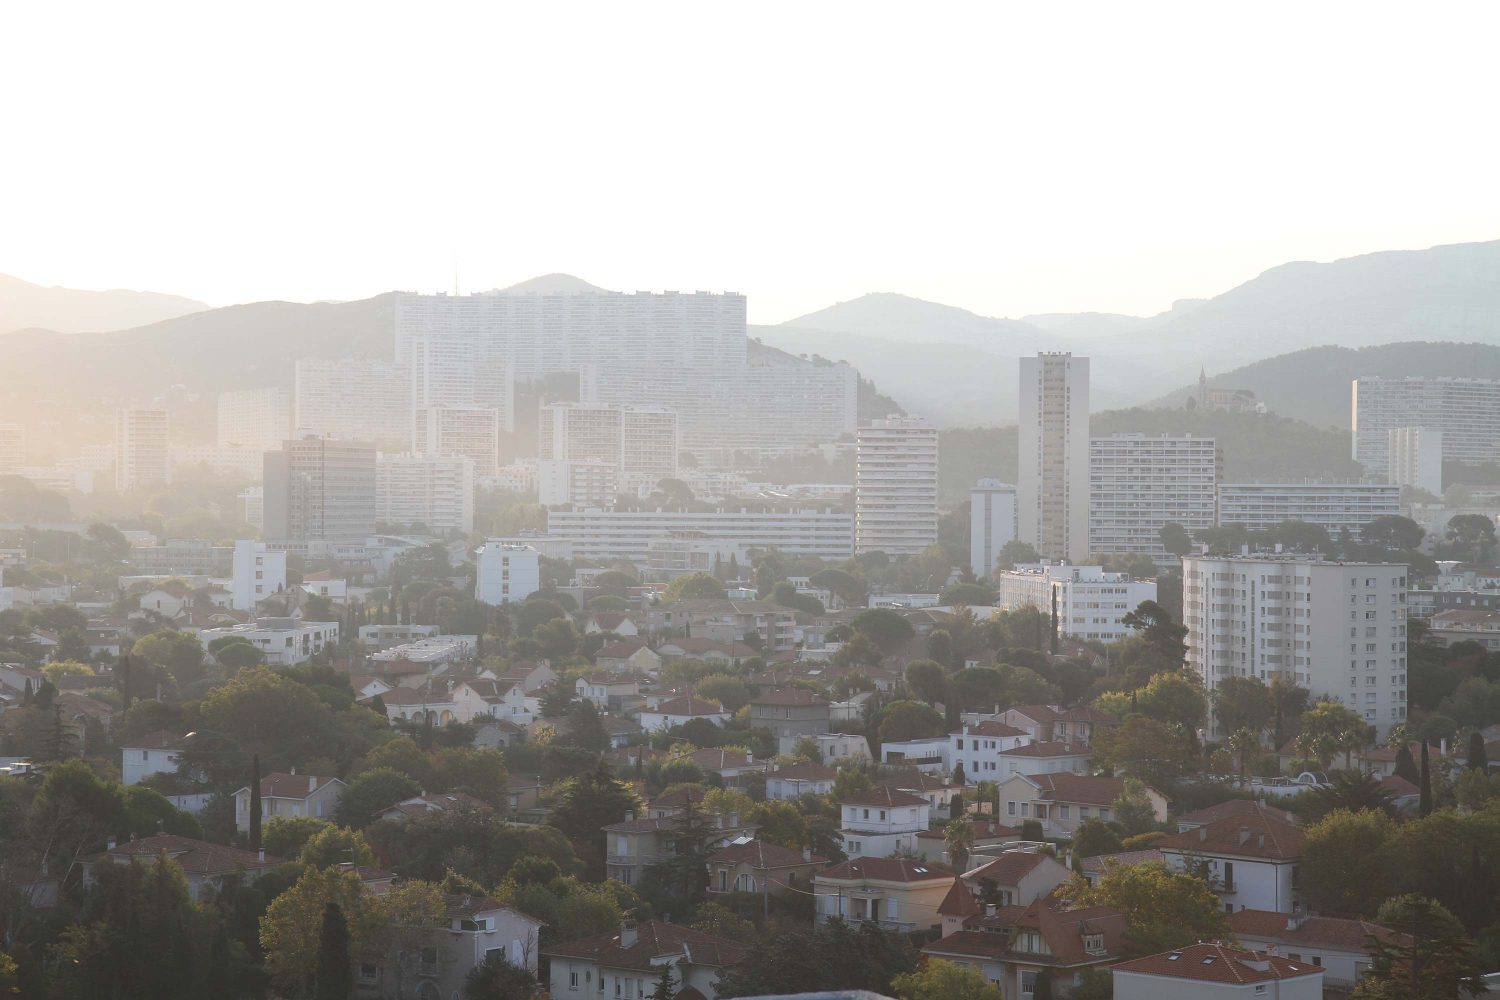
1028 983
369 973
429 963
572 980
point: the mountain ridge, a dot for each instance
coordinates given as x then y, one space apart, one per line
25 305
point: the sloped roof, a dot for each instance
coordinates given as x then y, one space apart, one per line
805 772
621 649
280 785
1009 868
759 854
1235 807
196 857
1334 932
1099 862
1050 749
989 727
888 870
1253 835
1062 929
959 902
162 739
688 706
654 939
1084 788
1215 963
883 795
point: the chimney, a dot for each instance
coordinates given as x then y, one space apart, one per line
749 756
261 855
294 770
1202 834
312 783
1295 919
627 933
807 854
629 816
989 909
734 820
111 844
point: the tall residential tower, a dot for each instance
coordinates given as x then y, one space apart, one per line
1052 499
895 492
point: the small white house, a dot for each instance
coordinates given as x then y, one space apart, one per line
154 753
1216 972
1250 860
882 821
681 711
290 795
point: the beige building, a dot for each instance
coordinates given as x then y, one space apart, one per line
899 894
290 795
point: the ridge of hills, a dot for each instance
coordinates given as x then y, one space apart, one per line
73 310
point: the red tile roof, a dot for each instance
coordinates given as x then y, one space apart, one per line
654 939
887 870
1235 807
1052 749
196 857
291 786
1063 930
805 772
1215 963
1254 835
983 830
991 727
1009 868
959 902
882 795
1085 789
1334 932
759 854
162 739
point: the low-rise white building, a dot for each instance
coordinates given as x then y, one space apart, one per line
1250 859
1091 602
259 572
1341 948
283 641
290 795
882 821
680 711
154 753
1216 972
628 963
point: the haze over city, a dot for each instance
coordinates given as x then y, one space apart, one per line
792 502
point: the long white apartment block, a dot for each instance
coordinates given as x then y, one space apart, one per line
470 432
1336 629
1139 482
254 419
461 373
992 523
1052 495
12 448
505 573
1091 602
1333 506
895 486
541 332
627 535
362 399
1415 458
434 490
1466 411
141 454
589 454
258 573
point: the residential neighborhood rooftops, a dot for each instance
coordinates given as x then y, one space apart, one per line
1217 963
196 857
1049 749
1009 868
1234 807
1087 789
791 696
689 706
759 854
291 786
959 902
990 727
653 940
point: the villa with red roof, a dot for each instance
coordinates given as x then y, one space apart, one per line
290 795
680 711
899 894
753 865
1060 802
882 822
1216 972
1341 947
205 864
1250 858
627 963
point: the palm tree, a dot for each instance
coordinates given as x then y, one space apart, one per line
1353 791
958 837
1243 743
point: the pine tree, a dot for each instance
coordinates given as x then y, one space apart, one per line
27 696
666 985
255 803
1478 758
1406 766
1424 806
335 973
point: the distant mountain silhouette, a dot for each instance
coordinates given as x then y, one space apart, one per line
1314 384
73 310
553 284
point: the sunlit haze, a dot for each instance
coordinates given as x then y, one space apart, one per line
1006 158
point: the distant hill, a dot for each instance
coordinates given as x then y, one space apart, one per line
73 310
1314 384
1446 293
553 284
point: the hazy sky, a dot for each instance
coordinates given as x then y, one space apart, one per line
1005 157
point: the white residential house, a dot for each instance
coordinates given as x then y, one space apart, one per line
978 746
837 747
882 821
1016 878
154 753
680 711
258 572
290 795
797 780
1044 758
503 699
899 894
608 690
628 963
285 642
1251 860
504 573
1340 947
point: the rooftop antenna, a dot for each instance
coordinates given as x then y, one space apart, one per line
455 275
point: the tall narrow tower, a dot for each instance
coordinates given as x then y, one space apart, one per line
895 494
1052 496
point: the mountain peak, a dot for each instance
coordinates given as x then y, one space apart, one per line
552 284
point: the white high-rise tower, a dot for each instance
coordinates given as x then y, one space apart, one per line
1052 498
895 494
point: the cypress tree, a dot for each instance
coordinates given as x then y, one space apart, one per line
334 978
1424 806
27 696
122 676
666 985
255 803
1478 759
